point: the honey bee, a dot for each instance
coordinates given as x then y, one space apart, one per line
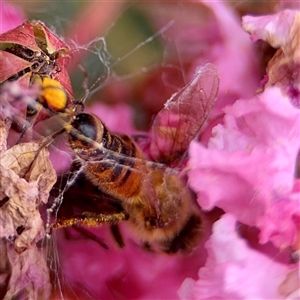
158 202
155 198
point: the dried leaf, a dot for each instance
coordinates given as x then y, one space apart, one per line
27 272
32 163
27 177
4 128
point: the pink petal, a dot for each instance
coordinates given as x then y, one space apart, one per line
11 64
131 272
274 29
10 15
249 166
63 75
281 31
235 271
232 53
281 222
222 179
118 118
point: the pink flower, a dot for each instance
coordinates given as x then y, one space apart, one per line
192 41
130 273
230 49
10 15
235 271
281 31
248 168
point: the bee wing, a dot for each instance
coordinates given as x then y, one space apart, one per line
179 122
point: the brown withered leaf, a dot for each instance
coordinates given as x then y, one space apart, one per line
32 163
27 272
4 128
26 178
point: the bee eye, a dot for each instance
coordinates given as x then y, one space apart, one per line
85 124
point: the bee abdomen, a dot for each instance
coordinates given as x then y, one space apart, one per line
115 179
186 239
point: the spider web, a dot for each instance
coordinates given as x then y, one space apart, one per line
99 60
99 69
102 67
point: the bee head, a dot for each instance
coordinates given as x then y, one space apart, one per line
85 126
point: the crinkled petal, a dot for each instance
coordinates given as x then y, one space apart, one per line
235 271
264 121
235 58
249 166
26 177
281 222
281 31
29 275
222 179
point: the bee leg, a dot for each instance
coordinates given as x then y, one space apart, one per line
27 125
32 114
94 219
48 139
90 236
115 231
90 219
